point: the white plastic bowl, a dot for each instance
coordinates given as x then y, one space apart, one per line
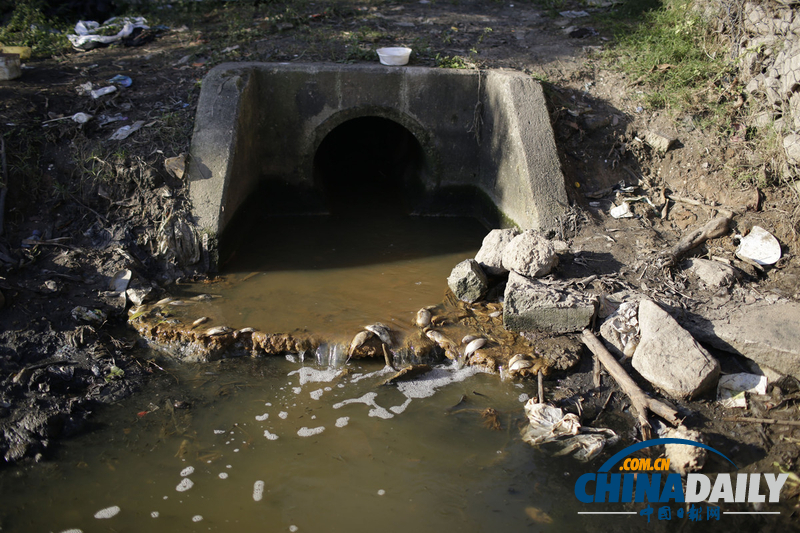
394 56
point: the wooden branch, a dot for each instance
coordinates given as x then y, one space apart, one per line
762 420
641 401
540 379
714 228
596 372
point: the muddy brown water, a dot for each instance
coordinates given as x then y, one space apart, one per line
331 275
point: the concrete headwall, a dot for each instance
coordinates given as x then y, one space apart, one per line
485 129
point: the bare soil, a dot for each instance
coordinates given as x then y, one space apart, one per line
98 204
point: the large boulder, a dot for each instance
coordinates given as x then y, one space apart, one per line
530 254
767 333
468 281
531 305
669 357
490 256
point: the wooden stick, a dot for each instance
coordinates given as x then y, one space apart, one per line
714 228
762 420
639 399
596 372
540 378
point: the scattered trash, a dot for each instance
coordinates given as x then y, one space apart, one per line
176 165
92 316
230 49
97 93
178 241
732 388
621 328
119 283
84 88
759 246
24 52
394 56
89 34
102 120
80 118
9 67
123 81
573 14
621 211
550 424
125 131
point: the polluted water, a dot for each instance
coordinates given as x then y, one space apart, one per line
296 444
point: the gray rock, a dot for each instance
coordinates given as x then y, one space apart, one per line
661 142
531 305
530 254
684 458
669 357
490 256
765 333
468 281
713 274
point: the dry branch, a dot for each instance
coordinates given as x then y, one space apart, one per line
641 401
762 420
714 228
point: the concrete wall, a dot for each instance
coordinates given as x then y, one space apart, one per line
264 121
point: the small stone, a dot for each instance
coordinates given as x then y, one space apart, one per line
530 254
595 122
176 166
490 256
685 458
531 305
669 357
713 274
467 281
659 141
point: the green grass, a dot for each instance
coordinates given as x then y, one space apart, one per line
27 26
674 56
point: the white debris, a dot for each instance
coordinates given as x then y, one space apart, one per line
732 388
759 246
621 211
270 436
310 432
185 485
188 471
263 417
258 490
108 512
342 421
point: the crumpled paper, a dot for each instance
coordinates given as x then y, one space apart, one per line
88 32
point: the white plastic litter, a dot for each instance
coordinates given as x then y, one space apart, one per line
125 131
732 388
622 211
759 246
87 32
394 56
550 424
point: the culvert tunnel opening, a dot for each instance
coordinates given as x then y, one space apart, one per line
369 165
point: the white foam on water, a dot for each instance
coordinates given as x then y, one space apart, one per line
223 475
270 436
263 417
185 485
291 358
342 422
72 531
188 471
313 417
524 398
197 518
166 497
381 492
312 375
235 450
297 390
154 514
283 415
369 400
519 385
228 466
219 431
310 432
258 490
108 512
268 404
328 389
340 385
397 409
316 395
293 528
426 386
385 370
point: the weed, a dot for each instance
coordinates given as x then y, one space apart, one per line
29 27
456 62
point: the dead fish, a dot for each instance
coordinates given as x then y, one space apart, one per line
179 303
202 297
244 331
473 346
444 343
495 314
358 341
469 338
218 330
519 362
201 320
423 318
382 331
136 309
163 301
